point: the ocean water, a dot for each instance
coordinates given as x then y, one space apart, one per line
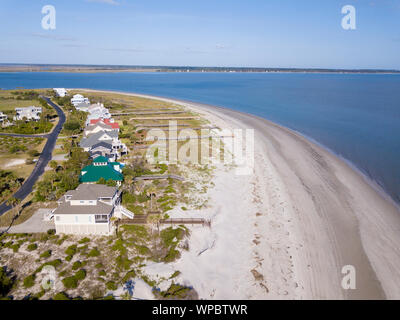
357 116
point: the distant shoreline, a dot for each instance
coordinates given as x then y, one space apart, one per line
173 69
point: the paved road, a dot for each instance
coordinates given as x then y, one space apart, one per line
44 159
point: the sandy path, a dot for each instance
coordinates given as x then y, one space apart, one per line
299 219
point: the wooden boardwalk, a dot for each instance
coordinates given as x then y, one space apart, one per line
159 177
166 118
147 113
171 221
191 221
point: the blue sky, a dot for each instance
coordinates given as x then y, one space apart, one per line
258 33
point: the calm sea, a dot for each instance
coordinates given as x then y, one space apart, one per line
357 116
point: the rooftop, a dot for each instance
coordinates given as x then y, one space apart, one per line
91 192
94 173
100 208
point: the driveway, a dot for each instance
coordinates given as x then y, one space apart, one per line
44 159
34 224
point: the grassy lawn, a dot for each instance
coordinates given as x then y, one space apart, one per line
14 151
8 101
11 99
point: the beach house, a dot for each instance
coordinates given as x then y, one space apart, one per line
109 122
28 113
84 106
97 111
78 98
3 117
99 126
89 141
103 148
87 210
60 92
100 168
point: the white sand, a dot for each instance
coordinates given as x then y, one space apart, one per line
286 231
14 162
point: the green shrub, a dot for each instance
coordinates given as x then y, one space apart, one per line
68 258
71 250
84 240
111 285
129 275
142 250
32 246
46 254
55 263
102 273
6 282
172 255
62 273
29 281
80 275
168 236
70 282
76 265
51 232
123 262
94 253
15 247
61 296
99 265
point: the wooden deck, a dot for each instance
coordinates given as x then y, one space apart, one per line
191 221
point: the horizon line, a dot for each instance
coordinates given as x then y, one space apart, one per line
198 67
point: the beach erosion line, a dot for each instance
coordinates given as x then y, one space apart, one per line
328 216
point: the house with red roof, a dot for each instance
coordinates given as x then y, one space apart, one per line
109 122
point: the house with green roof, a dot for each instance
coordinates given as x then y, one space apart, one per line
101 167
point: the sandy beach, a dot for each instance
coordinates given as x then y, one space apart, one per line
287 230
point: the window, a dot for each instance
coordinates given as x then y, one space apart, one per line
81 201
76 219
90 218
101 218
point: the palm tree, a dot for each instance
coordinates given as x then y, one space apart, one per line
53 164
152 192
129 182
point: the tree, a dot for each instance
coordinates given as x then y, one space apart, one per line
6 282
53 164
129 182
33 153
152 192
101 181
111 183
